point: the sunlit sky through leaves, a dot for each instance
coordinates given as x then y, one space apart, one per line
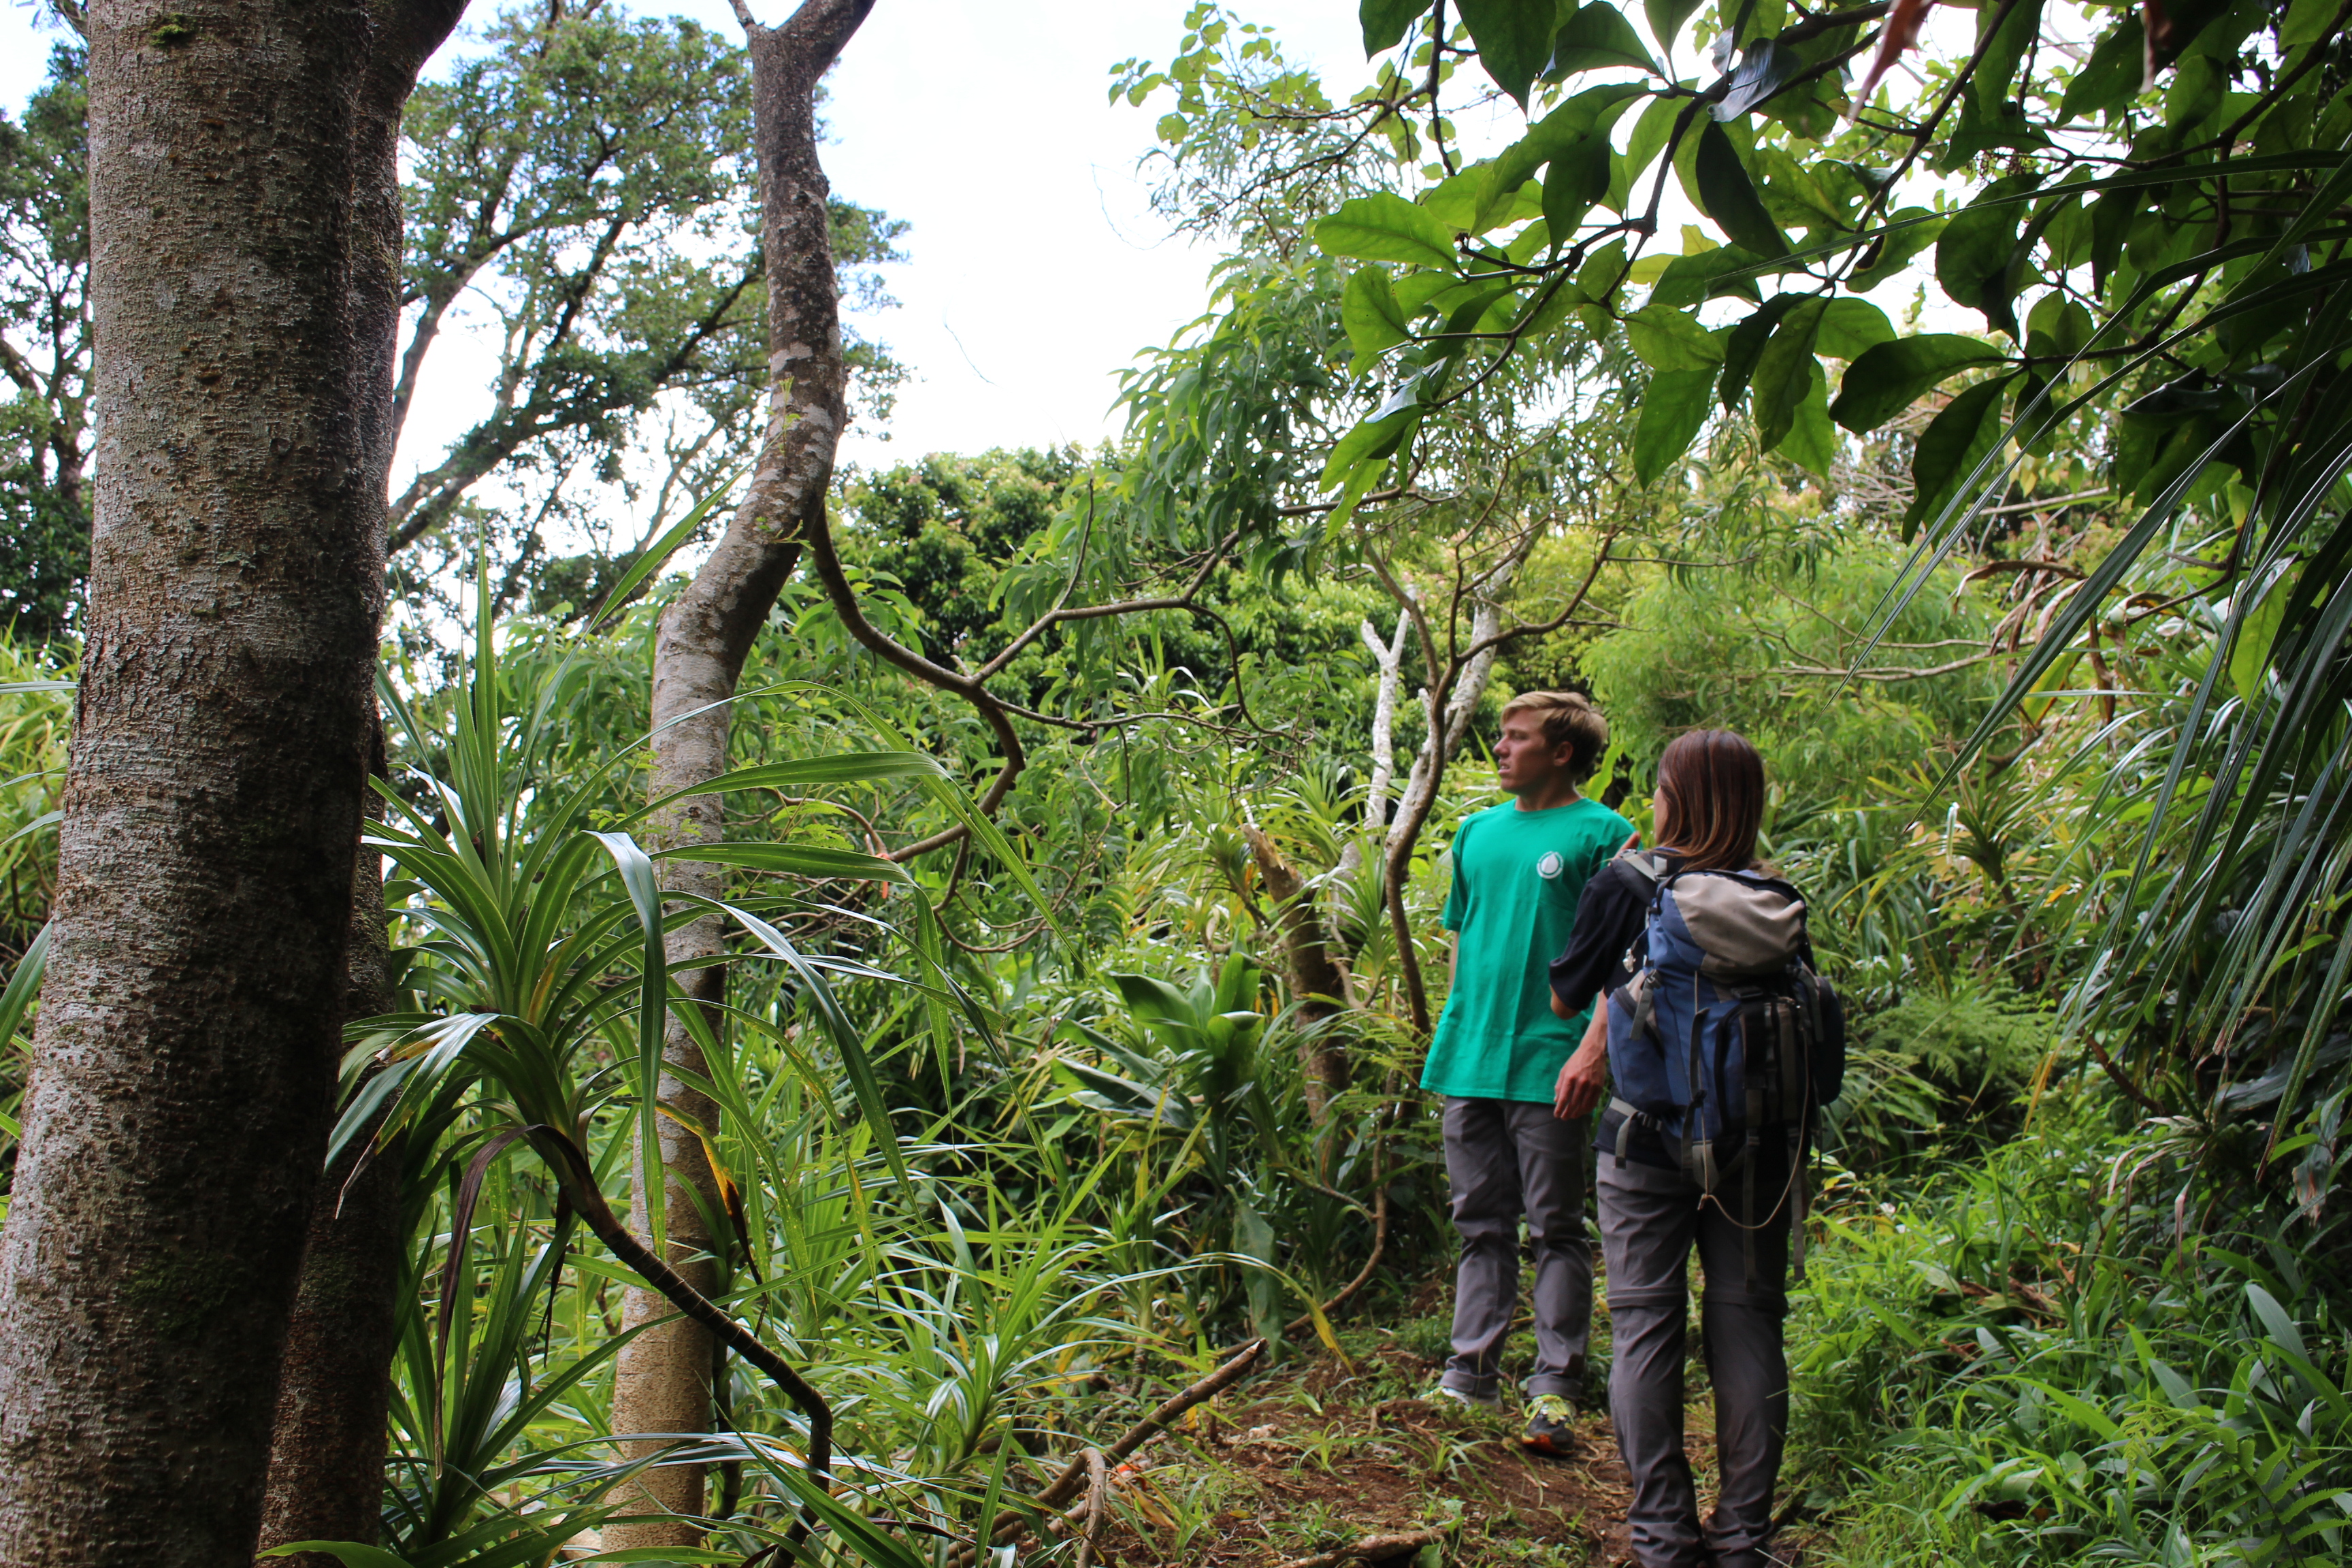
1037 270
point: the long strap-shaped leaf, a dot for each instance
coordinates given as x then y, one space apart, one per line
577 1175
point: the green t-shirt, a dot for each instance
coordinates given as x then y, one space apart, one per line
1517 878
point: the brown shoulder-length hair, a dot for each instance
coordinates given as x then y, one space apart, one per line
1710 799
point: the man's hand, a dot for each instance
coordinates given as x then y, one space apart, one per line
1584 1079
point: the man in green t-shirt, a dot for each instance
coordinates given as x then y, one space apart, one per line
1519 870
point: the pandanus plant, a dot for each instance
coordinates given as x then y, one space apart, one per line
543 941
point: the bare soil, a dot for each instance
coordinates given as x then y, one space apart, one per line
1332 1452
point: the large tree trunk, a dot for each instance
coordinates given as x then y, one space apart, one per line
326 1453
663 1381
334 1388
188 1032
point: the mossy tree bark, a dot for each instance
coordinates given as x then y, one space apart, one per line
663 1379
189 1028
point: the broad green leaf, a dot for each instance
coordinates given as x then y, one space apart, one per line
1745 346
1691 280
1386 227
1951 447
1671 339
1651 132
2082 1412
1578 177
1513 37
1667 18
1908 233
1852 328
1373 439
1999 56
1369 312
1729 195
2111 76
1884 381
1385 21
1784 371
1811 441
1973 255
1593 111
1672 410
1597 37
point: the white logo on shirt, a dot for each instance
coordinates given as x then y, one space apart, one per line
1551 866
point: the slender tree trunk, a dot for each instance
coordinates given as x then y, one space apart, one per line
1389 659
188 1033
663 1381
1447 707
1318 986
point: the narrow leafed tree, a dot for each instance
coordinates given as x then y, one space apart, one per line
664 1379
241 183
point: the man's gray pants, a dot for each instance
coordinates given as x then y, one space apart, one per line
1649 1218
1506 1159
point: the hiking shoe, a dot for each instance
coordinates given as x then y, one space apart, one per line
1548 1427
1446 1393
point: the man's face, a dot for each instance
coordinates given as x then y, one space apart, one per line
1524 760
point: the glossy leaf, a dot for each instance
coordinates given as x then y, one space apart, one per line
1785 370
1886 380
1384 22
1370 312
1513 39
1672 410
1385 227
1729 196
1671 339
1597 37
1852 328
1745 346
1667 18
1951 447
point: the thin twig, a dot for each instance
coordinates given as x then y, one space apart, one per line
1010 1526
1370 1548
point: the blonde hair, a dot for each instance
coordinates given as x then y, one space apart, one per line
1568 718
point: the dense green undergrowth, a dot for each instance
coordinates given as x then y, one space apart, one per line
2073 1350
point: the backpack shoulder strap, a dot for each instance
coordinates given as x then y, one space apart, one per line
1648 871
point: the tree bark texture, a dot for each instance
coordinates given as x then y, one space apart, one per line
1447 706
334 1387
1318 986
189 1026
663 1379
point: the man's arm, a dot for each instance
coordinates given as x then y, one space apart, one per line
1584 1078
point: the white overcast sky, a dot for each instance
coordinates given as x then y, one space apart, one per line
1035 269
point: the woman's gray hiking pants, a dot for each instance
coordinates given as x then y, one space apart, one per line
1506 1159
1649 1218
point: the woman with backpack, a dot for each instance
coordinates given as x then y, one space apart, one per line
1715 1045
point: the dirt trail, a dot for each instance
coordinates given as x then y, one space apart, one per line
1306 1464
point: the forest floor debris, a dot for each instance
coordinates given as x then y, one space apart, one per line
1328 1462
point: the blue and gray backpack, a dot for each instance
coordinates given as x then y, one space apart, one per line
1725 1036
